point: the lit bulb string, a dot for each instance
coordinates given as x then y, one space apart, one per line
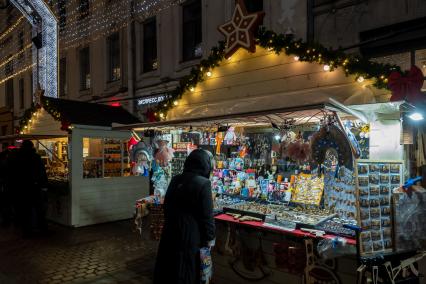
93 24
10 49
11 28
74 22
101 20
15 55
25 69
18 64
279 43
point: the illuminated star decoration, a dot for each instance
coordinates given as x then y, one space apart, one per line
239 31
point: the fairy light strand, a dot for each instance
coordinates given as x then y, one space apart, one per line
11 28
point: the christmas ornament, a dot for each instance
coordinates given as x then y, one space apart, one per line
407 87
239 31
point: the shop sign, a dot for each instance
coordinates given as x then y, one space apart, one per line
151 100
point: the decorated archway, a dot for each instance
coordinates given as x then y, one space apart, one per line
45 49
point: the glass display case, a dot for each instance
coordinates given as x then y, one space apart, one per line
105 158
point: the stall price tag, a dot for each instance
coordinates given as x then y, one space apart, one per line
181 146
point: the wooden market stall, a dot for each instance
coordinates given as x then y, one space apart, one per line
88 164
280 93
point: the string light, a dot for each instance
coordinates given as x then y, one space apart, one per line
296 58
360 79
175 103
15 55
326 67
209 73
192 89
11 28
105 17
17 73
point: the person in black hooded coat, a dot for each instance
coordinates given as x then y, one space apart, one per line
188 224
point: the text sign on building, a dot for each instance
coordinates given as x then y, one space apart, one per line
151 100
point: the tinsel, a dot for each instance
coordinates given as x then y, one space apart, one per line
280 43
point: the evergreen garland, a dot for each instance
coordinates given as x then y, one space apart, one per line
279 43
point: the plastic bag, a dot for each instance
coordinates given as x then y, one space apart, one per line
333 248
206 265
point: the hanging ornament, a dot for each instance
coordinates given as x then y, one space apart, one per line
407 87
239 31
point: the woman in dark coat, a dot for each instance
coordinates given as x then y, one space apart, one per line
189 223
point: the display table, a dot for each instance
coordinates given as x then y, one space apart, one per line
261 225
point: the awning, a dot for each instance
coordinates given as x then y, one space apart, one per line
301 115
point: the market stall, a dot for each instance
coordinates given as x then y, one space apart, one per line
311 147
88 164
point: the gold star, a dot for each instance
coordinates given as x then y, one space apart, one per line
239 31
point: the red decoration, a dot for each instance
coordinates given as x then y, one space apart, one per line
65 125
407 87
150 115
115 104
132 142
239 31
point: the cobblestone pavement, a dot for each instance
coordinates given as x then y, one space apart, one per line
106 253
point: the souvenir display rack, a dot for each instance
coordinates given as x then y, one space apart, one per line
376 181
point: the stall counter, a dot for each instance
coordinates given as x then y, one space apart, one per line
261 225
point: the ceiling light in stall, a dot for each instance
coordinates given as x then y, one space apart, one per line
277 137
416 116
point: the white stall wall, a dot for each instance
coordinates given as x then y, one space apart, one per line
104 199
385 140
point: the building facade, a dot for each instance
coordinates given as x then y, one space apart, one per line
115 52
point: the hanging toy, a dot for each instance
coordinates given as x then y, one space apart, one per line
299 151
164 154
219 140
230 136
141 158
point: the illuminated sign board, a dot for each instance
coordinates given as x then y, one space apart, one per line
151 100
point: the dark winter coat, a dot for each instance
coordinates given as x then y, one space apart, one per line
189 223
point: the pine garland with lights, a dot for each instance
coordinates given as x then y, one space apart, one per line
47 106
356 65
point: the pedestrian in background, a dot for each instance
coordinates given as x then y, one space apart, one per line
189 224
31 183
5 193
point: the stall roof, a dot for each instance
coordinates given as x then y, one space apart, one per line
29 136
303 114
84 113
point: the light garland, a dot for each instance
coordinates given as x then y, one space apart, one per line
103 18
11 28
15 55
48 54
301 51
17 73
